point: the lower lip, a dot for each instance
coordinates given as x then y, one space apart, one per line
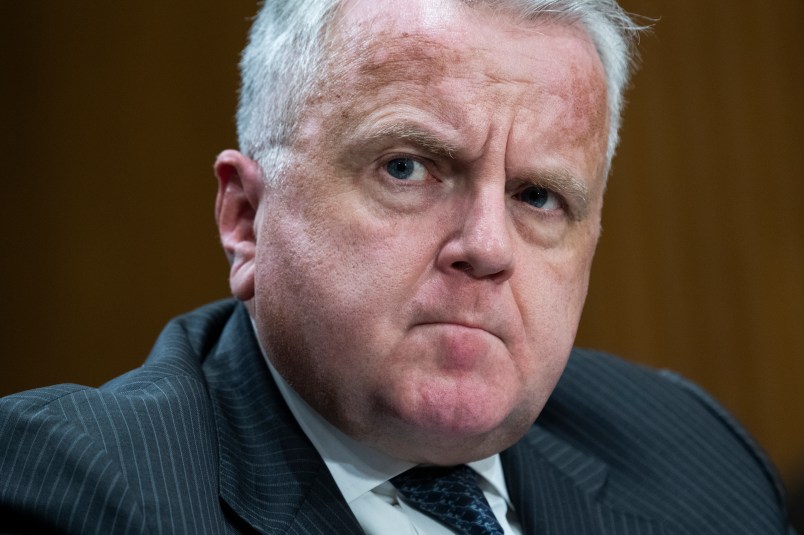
459 347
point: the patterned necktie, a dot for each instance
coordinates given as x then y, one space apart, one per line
451 495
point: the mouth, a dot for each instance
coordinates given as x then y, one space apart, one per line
460 347
469 326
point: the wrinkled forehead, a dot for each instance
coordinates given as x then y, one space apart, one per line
374 43
386 41
391 45
383 47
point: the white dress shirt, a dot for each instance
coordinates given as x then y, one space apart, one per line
362 474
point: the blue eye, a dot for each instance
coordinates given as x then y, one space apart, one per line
539 197
405 169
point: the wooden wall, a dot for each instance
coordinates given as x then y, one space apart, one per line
701 263
112 114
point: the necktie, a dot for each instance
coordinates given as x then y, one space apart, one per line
451 495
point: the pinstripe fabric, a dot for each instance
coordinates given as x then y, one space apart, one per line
640 452
270 474
198 440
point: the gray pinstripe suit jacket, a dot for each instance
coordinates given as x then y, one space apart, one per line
198 440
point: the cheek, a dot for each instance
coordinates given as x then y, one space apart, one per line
333 289
339 271
550 291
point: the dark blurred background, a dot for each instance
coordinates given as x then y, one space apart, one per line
112 114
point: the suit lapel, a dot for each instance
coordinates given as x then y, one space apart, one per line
270 473
558 489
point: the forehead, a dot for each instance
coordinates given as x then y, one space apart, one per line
465 67
377 44
386 36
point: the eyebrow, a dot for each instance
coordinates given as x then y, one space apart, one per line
417 135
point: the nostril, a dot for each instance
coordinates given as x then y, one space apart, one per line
462 266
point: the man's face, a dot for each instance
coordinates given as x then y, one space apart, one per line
420 272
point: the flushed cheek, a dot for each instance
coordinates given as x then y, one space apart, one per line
550 299
352 267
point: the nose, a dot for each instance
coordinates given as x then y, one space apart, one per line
481 245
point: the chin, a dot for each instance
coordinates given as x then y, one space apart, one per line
451 447
445 428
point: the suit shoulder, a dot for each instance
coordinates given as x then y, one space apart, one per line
660 404
664 439
615 389
129 450
118 460
45 457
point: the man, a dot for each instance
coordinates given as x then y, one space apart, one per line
410 224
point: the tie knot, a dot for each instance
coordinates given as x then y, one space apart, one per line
451 495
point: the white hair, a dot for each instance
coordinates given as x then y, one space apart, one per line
288 42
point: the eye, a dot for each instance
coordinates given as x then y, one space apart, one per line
539 197
406 169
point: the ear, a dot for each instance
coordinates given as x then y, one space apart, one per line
240 190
